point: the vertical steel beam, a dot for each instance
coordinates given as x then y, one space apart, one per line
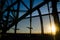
30 15
54 13
17 15
42 29
49 16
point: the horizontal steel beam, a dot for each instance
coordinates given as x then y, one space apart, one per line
41 15
16 10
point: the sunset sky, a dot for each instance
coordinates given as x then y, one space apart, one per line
22 25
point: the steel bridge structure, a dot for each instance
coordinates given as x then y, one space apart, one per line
9 15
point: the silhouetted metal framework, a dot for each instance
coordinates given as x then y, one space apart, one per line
9 21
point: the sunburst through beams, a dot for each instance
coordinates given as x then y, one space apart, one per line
53 29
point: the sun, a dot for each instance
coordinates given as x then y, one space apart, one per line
53 29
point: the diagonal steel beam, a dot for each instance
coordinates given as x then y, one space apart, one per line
10 6
24 4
